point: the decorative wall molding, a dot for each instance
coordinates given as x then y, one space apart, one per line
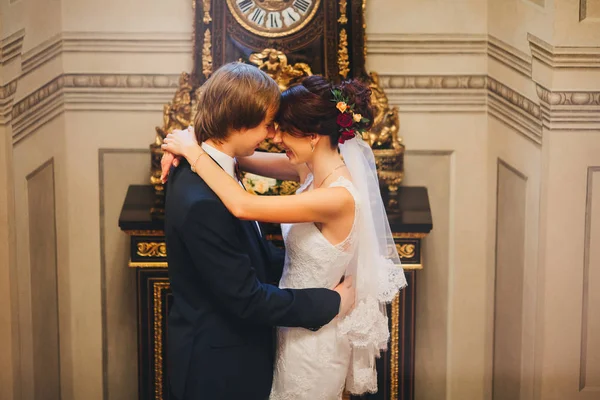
418 93
106 42
509 56
585 13
569 110
563 56
11 46
426 44
41 54
513 97
431 93
589 306
7 93
117 42
121 92
515 110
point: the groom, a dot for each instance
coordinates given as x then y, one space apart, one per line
221 337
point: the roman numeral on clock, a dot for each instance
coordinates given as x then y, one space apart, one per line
245 5
258 16
274 20
302 5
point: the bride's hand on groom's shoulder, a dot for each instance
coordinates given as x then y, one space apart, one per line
174 146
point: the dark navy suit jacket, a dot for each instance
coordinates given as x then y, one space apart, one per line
221 337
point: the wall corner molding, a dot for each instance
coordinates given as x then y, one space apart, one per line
569 110
563 56
11 46
509 56
41 54
515 110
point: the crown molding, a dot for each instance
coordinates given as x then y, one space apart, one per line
509 56
426 44
11 46
105 42
418 93
41 54
121 42
563 56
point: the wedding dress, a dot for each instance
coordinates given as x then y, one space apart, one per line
313 365
341 355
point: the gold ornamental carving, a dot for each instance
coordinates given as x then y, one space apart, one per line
152 249
343 19
177 114
406 250
207 61
149 264
384 140
364 26
159 288
343 59
144 233
275 64
394 336
206 8
409 235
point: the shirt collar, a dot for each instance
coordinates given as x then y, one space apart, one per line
226 162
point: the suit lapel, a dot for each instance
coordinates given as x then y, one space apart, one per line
253 224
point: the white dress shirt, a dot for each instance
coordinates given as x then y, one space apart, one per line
227 163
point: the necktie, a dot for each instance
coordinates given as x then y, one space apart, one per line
236 170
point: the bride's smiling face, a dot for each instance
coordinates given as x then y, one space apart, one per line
297 149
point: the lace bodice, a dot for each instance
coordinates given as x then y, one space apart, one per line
311 260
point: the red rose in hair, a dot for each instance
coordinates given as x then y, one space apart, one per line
346 135
345 120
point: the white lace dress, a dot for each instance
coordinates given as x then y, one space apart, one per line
313 365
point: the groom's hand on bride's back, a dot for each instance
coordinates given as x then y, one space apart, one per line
347 293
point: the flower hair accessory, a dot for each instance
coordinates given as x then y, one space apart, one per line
350 123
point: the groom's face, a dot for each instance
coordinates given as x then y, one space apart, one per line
246 141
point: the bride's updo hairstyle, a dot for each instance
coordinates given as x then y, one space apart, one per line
311 107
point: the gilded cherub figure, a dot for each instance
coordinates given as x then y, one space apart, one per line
177 114
384 133
275 64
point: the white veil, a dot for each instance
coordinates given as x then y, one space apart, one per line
377 271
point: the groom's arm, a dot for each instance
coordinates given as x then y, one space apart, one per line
209 233
276 260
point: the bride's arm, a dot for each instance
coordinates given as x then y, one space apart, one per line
320 205
272 165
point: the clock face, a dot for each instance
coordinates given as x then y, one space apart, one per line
273 18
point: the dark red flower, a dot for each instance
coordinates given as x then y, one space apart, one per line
346 135
345 120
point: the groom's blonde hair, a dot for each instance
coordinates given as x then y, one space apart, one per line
236 96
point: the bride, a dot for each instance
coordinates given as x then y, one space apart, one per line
334 226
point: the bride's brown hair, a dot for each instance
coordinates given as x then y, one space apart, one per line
309 107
